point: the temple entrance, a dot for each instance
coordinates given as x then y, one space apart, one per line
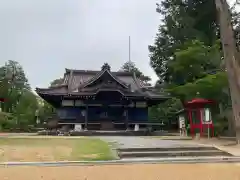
107 125
109 116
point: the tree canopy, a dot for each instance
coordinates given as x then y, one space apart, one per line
186 53
20 105
130 66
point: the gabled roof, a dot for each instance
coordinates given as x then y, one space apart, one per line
100 74
79 79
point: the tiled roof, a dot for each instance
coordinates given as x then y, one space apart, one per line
61 89
74 79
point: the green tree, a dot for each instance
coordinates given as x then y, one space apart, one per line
46 111
182 21
165 111
21 104
193 61
131 67
25 111
210 87
56 82
12 81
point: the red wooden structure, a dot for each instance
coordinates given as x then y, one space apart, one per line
2 100
195 112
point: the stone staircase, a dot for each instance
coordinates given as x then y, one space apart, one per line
203 151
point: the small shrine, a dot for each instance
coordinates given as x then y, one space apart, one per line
197 115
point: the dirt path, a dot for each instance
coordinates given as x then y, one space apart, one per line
125 172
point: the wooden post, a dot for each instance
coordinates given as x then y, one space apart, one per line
232 60
126 117
86 118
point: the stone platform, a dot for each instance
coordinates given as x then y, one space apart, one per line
147 147
99 133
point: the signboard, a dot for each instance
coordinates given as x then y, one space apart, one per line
79 103
131 105
67 103
206 116
141 104
181 122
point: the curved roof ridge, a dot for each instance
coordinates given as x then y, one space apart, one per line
52 87
97 76
136 82
67 70
70 79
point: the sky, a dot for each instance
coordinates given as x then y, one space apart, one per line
47 36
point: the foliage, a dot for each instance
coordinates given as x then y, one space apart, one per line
166 110
183 21
21 103
209 87
5 120
56 82
45 111
131 67
195 57
186 54
24 113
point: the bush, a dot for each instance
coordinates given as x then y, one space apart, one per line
220 125
6 121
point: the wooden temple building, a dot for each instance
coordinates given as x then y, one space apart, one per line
101 100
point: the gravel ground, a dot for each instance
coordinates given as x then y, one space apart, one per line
125 172
139 142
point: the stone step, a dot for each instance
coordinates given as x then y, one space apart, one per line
108 133
176 148
165 154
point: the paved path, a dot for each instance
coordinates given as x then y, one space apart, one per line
147 142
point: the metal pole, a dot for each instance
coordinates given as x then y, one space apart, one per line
129 53
129 49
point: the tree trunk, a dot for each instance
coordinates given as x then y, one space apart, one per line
231 60
231 122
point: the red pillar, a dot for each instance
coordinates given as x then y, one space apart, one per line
190 122
201 121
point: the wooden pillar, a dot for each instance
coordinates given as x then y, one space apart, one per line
126 116
199 110
86 117
190 121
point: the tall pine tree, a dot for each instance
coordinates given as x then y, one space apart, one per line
183 21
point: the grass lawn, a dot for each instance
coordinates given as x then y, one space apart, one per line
53 149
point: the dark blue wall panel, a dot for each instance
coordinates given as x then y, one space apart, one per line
94 113
69 112
138 114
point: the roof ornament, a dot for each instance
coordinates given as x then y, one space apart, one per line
106 66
